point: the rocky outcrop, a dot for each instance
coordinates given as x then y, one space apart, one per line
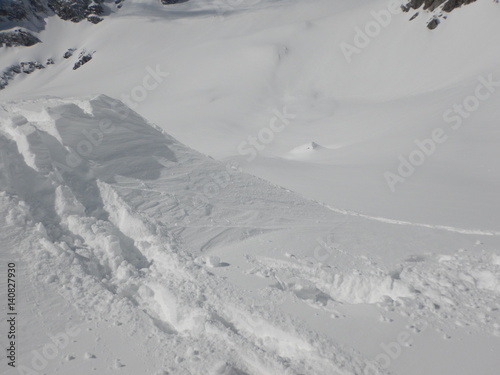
69 53
94 19
28 67
21 68
83 59
433 23
436 7
30 15
17 37
452 4
76 10
16 10
431 5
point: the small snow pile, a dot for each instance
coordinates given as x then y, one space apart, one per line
213 261
305 151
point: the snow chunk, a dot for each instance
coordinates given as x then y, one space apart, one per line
213 261
66 203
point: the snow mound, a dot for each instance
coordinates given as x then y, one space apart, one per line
305 151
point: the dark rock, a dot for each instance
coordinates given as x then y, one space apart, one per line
69 53
31 13
453 4
21 68
94 19
23 13
414 16
96 9
74 10
17 37
433 23
84 58
13 10
30 67
431 5
435 6
50 62
413 4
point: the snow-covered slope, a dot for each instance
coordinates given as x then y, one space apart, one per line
379 253
163 260
228 68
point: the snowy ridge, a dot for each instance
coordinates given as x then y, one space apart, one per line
114 264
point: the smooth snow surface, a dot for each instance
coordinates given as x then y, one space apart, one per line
232 65
291 255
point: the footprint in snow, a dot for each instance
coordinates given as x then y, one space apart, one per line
88 355
117 364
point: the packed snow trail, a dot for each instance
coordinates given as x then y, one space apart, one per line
402 222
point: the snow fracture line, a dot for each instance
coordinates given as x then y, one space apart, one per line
375 218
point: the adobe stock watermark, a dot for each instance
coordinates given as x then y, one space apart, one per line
52 349
456 115
372 29
265 136
393 350
151 81
93 137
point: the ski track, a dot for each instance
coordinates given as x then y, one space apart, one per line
401 222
